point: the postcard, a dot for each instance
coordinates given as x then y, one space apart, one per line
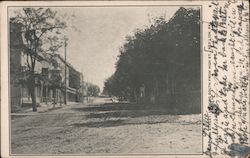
125 79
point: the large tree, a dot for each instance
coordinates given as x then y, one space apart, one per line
41 30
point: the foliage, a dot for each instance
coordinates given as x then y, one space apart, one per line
41 31
93 90
38 25
163 48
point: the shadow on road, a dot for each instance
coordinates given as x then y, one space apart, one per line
126 113
111 107
120 110
113 123
128 110
117 114
120 114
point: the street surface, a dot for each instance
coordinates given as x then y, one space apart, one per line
105 127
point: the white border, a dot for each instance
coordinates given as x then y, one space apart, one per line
4 62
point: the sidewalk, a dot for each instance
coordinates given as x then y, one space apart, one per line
43 107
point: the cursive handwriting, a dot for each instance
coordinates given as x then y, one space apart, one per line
225 121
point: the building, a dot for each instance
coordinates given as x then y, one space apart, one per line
73 79
15 62
52 80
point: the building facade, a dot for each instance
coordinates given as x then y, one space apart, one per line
56 80
72 79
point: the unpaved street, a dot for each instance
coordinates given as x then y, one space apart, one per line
105 128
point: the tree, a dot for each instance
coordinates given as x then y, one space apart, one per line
166 52
41 29
93 90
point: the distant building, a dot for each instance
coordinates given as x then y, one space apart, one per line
83 91
73 78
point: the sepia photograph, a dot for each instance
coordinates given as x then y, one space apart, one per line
91 80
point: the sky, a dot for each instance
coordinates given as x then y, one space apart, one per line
96 33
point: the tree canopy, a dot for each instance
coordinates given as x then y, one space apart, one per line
171 47
93 90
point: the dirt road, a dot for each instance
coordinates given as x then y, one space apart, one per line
105 128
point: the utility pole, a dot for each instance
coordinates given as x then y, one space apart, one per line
87 88
65 58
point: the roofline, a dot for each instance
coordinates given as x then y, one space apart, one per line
68 64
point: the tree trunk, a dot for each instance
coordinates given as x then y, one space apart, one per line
167 89
33 94
33 98
135 96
